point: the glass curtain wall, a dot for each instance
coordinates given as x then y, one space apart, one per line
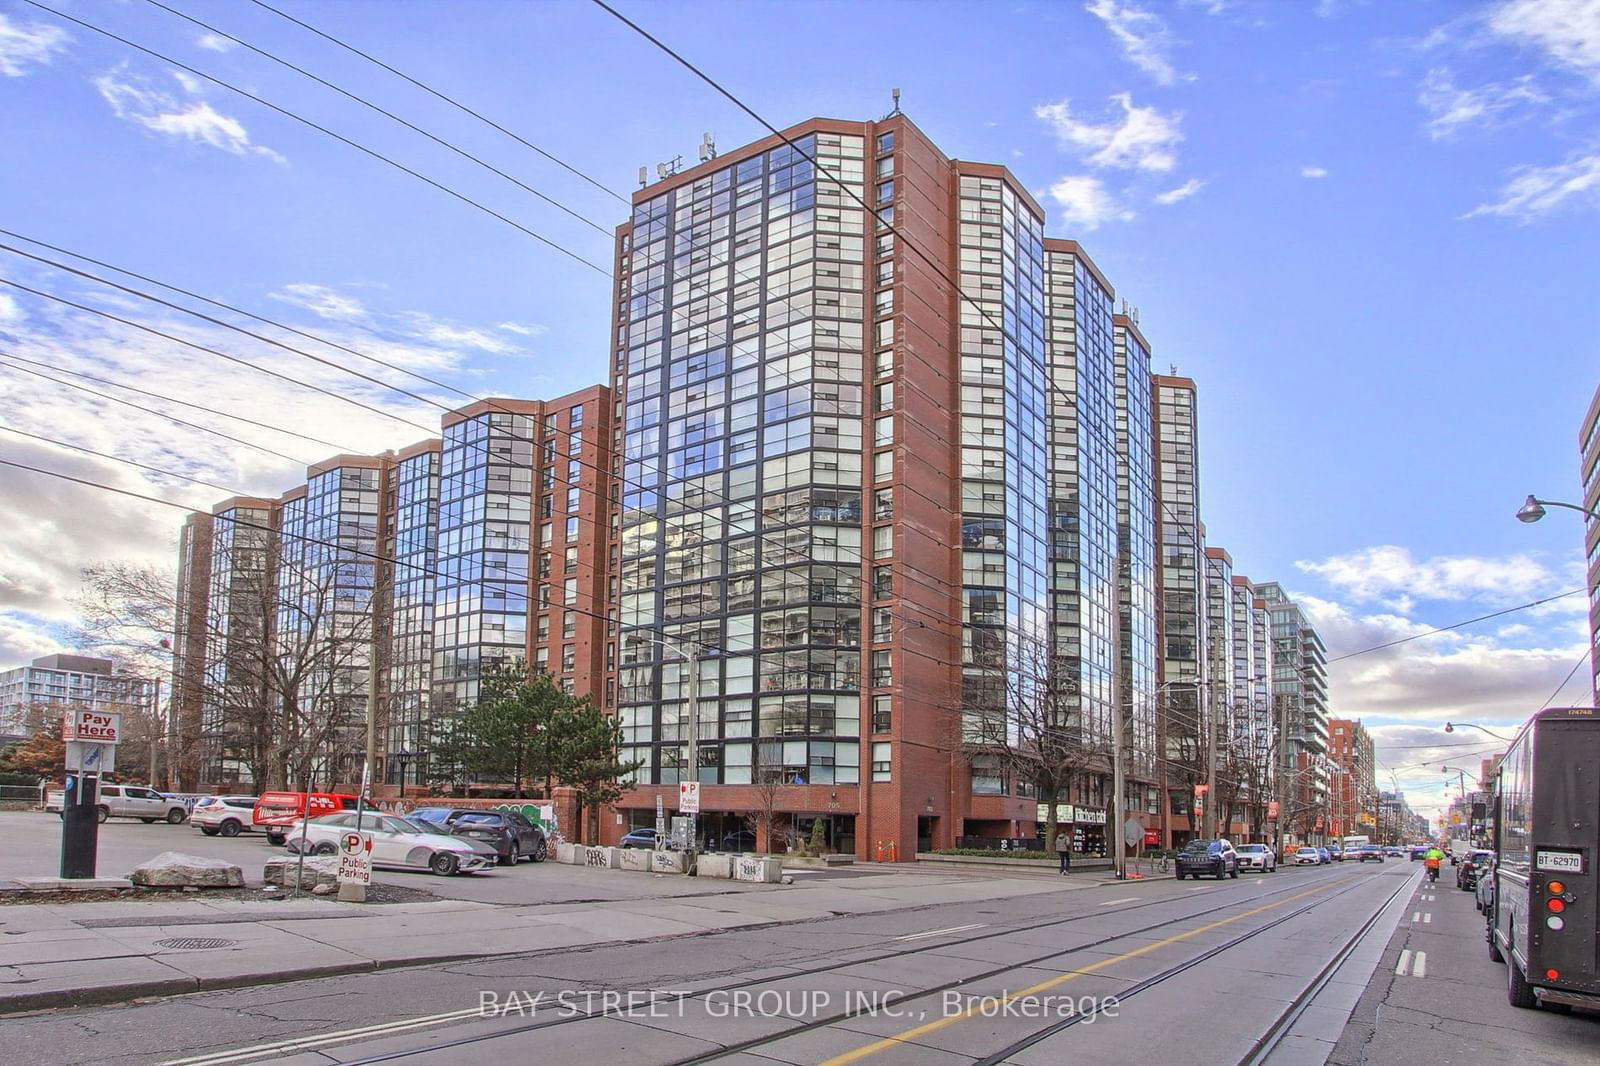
484 540
1137 553
416 512
741 521
1006 649
238 617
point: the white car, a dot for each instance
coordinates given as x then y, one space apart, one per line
1257 857
1307 856
395 842
128 801
227 815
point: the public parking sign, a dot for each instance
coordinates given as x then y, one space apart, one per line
689 797
355 859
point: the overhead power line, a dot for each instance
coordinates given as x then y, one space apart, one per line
458 105
358 146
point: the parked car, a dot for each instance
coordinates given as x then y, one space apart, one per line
1307 856
128 801
1322 852
1257 857
277 812
739 840
395 842
640 838
225 815
509 833
1483 894
1472 866
1335 853
1214 857
1367 853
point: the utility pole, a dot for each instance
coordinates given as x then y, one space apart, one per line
1212 824
694 746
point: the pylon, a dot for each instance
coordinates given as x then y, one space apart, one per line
879 856
893 852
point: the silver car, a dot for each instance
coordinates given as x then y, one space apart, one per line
1257 857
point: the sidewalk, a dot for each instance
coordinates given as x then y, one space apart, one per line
60 955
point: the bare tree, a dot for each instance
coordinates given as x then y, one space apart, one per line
1028 715
766 820
282 694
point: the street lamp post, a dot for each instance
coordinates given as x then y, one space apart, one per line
1451 727
1533 509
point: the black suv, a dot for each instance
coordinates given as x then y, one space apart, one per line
509 833
1215 857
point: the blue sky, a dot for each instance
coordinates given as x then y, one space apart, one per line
1365 229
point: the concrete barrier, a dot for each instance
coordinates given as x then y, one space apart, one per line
715 866
666 862
759 870
567 853
634 858
603 858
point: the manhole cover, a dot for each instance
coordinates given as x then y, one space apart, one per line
193 942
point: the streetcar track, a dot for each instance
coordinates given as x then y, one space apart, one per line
1262 1047
733 1049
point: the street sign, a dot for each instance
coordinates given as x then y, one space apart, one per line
1272 808
689 797
661 819
100 727
1131 830
1152 838
355 859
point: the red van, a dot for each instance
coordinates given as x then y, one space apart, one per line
277 811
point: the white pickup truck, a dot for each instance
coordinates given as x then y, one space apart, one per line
1459 849
128 801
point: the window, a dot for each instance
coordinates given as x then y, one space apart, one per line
882 505
882 583
882 625
882 673
572 528
541 660
882 542
882 466
570 592
569 657
886 141
987 777
886 167
572 498
547 534
880 760
575 417
883 431
544 628
883 396
571 562
569 624
885 192
881 714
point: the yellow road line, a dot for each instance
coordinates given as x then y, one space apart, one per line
939 1023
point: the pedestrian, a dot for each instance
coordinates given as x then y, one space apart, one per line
1064 850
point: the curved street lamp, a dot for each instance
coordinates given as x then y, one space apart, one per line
1533 509
1450 727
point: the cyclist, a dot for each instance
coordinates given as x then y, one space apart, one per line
1433 858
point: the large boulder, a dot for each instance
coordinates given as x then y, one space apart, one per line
173 869
318 870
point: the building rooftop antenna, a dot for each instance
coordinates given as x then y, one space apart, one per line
895 92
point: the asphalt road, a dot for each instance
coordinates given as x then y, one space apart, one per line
1436 997
1178 971
32 848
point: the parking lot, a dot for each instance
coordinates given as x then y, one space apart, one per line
33 849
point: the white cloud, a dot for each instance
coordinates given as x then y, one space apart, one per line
449 335
1568 31
215 42
1313 171
1533 191
1452 108
193 119
1140 138
28 44
9 310
1390 574
1086 203
1211 7
1145 40
1182 192
523 329
321 301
